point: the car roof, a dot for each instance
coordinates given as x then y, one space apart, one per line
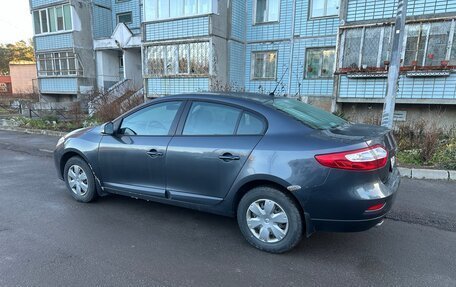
232 97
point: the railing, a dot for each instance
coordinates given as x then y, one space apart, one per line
134 99
113 93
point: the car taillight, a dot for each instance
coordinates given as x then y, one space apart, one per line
369 158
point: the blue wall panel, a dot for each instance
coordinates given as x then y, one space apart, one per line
54 42
40 3
237 64
102 28
409 88
238 19
105 3
170 86
59 85
132 6
183 28
359 10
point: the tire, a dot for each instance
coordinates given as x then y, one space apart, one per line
79 173
289 234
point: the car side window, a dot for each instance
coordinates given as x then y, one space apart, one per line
155 120
250 124
211 119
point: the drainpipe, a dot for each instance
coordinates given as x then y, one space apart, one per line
290 64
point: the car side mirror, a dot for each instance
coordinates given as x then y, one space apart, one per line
108 129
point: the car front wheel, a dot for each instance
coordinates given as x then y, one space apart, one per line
79 180
270 220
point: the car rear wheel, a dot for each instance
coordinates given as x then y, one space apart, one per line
270 220
79 180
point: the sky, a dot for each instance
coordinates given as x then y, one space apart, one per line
15 21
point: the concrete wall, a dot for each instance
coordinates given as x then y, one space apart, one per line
442 116
133 67
22 77
107 68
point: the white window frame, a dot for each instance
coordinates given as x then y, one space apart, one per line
176 72
52 71
122 14
252 66
388 31
212 10
55 23
255 3
326 10
321 49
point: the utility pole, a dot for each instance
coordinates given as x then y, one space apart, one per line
395 64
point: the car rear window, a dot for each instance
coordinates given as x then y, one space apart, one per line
307 114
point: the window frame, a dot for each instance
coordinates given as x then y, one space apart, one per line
305 77
188 106
388 30
212 10
172 130
164 58
252 66
310 5
63 56
118 15
48 20
254 14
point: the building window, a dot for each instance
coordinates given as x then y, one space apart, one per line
264 65
320 63
453 51
125 18
178 60
52 19
324 8
168 9
426 44
267 11
59 64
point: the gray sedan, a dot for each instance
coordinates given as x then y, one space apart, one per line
284 168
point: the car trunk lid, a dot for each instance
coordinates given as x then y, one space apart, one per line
371 135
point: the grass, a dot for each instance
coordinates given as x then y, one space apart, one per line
48 123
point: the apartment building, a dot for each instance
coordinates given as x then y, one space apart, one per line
327 52
427 85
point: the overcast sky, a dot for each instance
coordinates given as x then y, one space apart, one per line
15 21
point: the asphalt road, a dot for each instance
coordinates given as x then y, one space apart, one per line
48 239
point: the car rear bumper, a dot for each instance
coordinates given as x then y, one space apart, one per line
346 225
344 208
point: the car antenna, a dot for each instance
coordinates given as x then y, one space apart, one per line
278 83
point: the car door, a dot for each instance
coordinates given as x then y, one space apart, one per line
207 153
133 159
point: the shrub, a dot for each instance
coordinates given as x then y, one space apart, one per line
445 157
418 142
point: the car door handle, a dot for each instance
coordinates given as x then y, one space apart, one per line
229 157
154 153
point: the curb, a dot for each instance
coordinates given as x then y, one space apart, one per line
33 131
436 174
